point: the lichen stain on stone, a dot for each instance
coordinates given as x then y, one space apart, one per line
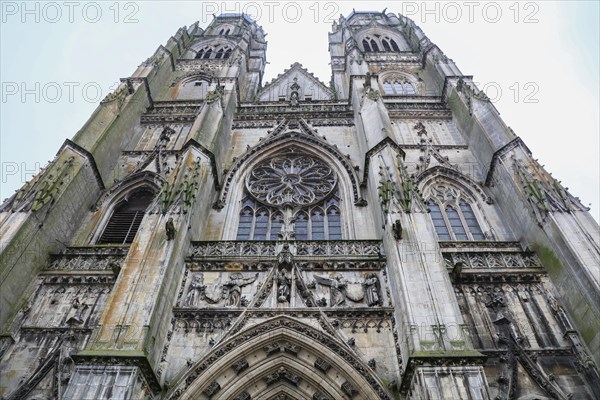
549 260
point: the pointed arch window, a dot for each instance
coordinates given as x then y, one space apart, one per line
291 192
126 218
452 215
320 222
398 87
379 43
386 45
366 45
204 53
276 220
301 226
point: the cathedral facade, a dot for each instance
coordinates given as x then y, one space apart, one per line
208 235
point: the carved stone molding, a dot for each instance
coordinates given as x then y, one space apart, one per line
212 389
243 396
201 65
282 374
474 245
492 260
349 389
499 278
241 124
302 249
305 265
240 365
165 112
78 279
322 365
88 259
282 347
59 331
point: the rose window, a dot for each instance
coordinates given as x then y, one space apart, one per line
293 179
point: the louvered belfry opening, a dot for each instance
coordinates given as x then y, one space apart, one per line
126 218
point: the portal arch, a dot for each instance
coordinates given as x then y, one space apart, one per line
280 355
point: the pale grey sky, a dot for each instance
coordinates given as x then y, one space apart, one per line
538 60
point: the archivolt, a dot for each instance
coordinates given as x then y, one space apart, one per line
280 355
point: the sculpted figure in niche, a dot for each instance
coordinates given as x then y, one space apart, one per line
372 290
232 290
196 291
283 286
294 98
170 228
79 308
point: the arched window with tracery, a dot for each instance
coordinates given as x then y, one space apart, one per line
204 53
290 196
223 52
452 214
377 42
217 52
126 218
398 86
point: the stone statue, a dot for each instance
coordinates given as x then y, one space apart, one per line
372 289
367 84
232 290
80 308
287 231
294 98
284 258
170 227
283 286
196 291
397 229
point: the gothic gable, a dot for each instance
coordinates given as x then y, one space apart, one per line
295 83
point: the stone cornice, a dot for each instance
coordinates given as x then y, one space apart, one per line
375 149
516 142
213 163
86 154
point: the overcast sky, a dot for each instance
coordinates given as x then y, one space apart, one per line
538 61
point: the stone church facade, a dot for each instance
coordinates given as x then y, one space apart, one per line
208 235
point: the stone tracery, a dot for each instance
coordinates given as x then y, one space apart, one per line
296 180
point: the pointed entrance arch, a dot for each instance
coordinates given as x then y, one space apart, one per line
280 355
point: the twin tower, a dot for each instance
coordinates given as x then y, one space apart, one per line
208 235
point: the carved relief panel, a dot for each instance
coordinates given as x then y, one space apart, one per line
347 289
219 289
65 305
